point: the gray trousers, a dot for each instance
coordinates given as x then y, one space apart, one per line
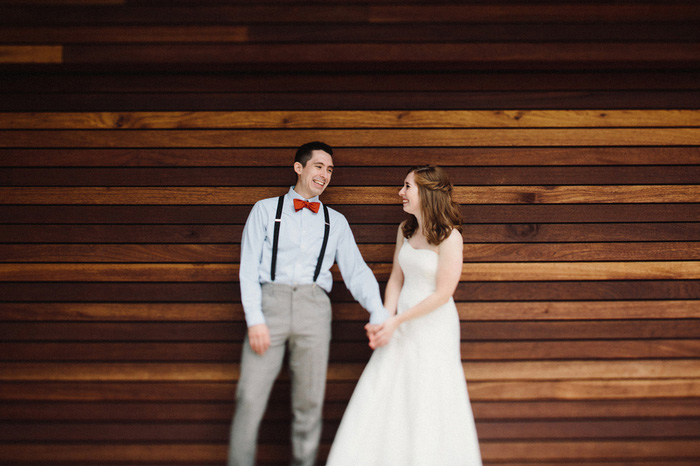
299 318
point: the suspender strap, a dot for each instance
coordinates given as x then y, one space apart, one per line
326 233
276 236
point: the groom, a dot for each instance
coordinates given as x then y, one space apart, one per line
288 247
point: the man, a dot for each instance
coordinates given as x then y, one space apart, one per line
284 293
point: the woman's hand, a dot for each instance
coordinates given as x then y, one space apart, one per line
382 335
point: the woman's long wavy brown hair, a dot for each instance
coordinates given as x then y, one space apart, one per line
440 213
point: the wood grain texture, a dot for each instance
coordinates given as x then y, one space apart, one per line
350 311
514 137
13 54
349 195
352 156
353 119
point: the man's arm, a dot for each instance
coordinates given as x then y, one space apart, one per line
252 243
358 277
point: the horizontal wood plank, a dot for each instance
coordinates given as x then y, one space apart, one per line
538 391
222 410
663 31
227 253
510 271
223 292
349 195
380 215
332 82
342 352
346 176
351 331
48 54
349 156
490 137
352 119
475 371
278 431
471 311
540 13
358 13
492 451
317 100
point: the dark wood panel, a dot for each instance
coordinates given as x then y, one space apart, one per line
123 81
350 351
124 233
497 137
533 13
235 214
354 176
220 253
139 195
349 331
358 33
337 391
126 253
390 57
353 157
221 410
42 101
364 233
97 15
42 292
479 13
278 432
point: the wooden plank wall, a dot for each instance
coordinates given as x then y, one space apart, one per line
136 134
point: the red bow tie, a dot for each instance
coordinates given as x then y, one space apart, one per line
300 204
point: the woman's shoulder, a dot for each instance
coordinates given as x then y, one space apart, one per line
453 240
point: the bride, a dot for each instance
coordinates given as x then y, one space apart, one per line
411 406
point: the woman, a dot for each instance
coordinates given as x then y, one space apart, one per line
411 407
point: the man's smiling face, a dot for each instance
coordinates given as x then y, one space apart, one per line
313 177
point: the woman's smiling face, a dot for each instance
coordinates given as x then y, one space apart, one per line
409 195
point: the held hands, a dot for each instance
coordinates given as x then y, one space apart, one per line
380 334
259 338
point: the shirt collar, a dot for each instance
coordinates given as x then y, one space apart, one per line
295 195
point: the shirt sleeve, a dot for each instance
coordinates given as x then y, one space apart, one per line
357 275
252 243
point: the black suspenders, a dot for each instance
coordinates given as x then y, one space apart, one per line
276 235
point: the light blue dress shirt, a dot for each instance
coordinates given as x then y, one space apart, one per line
300 239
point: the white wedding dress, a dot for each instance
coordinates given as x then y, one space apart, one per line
411 406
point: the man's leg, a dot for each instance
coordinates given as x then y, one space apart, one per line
308 364
258 374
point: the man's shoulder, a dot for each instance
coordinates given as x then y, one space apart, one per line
267 202
336 216
333 212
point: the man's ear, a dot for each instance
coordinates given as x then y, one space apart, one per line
298 167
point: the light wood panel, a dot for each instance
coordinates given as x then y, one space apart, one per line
513 271
31 54
353 119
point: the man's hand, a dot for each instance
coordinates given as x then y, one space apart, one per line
259 338
380 335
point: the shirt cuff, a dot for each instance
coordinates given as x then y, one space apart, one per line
378 315
254 318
